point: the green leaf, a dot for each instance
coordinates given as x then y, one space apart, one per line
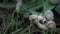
57 9
34 12
16 31
7 5
57 30
26 15
29 10
48 6
26 29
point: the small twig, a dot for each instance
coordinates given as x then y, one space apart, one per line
18 5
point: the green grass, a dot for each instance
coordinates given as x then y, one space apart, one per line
13 24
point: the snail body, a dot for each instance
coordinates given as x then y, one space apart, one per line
36 18
32 17
41 26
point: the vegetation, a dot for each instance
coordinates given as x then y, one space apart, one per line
14 16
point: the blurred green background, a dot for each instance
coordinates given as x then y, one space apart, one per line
15 21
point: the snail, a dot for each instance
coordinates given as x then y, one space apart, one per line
37 18
44 21
48 14
51 25
40 19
